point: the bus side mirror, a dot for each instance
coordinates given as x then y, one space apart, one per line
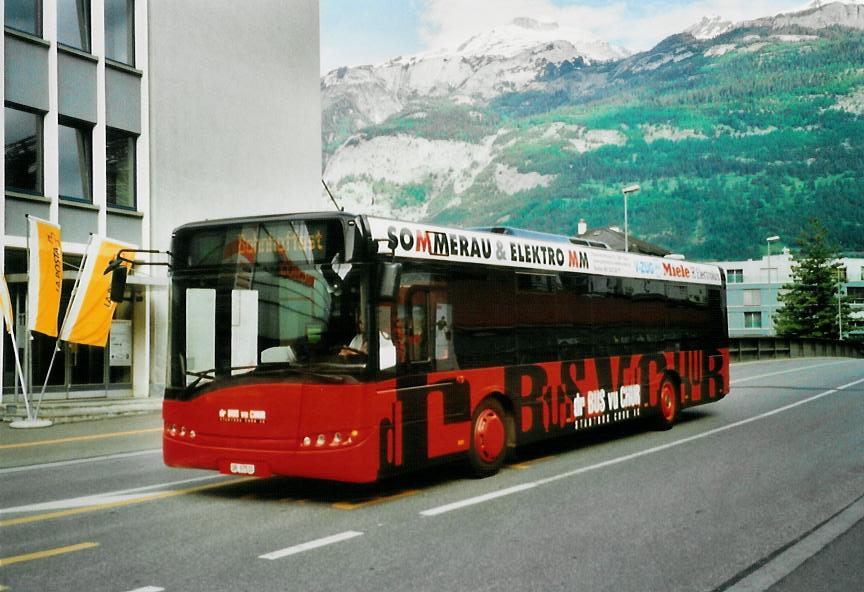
119 273
390 276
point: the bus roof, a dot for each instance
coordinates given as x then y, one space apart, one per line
438 243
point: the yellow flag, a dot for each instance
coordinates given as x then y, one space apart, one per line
6 304
46 276
89 317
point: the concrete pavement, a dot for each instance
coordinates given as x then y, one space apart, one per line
75 410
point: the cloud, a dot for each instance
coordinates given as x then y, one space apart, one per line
635 24
448 23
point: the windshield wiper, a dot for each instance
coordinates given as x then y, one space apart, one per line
211 374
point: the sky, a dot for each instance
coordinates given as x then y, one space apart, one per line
356 32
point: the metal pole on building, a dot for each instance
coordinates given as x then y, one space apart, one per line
627 191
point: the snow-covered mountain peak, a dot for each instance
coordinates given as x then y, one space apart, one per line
820 3
709 27
523 34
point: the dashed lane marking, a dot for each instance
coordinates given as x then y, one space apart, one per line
47 553
336 538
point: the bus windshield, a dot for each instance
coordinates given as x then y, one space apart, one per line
264 295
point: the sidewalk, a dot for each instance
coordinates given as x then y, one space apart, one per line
73 410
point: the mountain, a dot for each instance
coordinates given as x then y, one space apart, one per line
506 59
822 3
709 27
732 138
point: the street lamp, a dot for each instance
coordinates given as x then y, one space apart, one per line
839 304
770 240
627 191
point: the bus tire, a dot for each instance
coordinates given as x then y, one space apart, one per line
668 404
489 438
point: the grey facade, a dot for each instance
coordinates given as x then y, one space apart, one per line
214 104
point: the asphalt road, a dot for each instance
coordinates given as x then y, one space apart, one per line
760 491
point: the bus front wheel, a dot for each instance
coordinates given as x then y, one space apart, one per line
669 405
489 438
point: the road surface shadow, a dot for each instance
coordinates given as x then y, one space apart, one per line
349 496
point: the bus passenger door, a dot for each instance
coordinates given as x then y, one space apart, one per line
432 409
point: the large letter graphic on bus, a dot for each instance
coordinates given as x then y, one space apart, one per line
526 384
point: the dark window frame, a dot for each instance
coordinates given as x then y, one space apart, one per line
39 116
84 18
130 34
110 186
37 17
87 188
753 320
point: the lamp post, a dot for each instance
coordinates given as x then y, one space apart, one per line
770 240
627 191
839 304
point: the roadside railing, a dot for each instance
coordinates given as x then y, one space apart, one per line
748 349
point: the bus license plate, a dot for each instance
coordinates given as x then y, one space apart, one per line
242 469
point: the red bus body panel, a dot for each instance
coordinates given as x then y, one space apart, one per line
362 432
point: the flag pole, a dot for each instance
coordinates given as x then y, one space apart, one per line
63 326
20 373
32 420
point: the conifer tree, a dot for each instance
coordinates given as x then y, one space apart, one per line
810 302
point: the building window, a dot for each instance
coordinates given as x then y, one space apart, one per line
842 274
76 160
73 23
23 136
752 297
120 169
120 31
23 15
734 276
752 320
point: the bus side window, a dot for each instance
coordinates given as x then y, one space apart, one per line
442 326
417 331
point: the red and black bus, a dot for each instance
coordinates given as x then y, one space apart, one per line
351 348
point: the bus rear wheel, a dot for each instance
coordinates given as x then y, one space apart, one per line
489 438
669 406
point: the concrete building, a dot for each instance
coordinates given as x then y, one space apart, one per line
127 118
752 287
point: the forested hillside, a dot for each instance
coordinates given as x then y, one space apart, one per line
731 139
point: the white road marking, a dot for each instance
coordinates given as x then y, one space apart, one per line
100 498
614 461
148 589
479 499
78 461
798 369
336 538
790 559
